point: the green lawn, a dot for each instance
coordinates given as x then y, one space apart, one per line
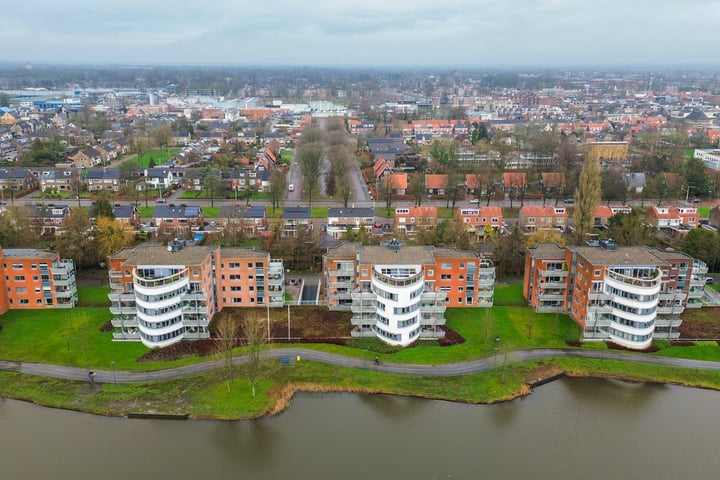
158 155
509 294
96 296
286 156
704 212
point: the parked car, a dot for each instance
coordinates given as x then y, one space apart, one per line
709 280
569 201
474 201
161 200
696 200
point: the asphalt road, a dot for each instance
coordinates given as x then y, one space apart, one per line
445 370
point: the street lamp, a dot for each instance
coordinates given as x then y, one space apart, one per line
113 370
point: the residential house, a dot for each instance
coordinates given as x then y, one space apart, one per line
552 183
171 219
477 184
603 214
250 218
59 179
158 178
533 218
678 218
18 180
436 183
410 220
514 182
49 218
98 179
635 182
340 220
295 220
480 221
397 184
87 158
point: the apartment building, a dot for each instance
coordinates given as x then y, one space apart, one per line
626 295
398 293
36 278
163 294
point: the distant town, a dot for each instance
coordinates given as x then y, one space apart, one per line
393 194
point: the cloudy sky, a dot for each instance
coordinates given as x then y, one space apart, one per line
450 33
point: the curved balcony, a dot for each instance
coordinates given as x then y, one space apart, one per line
399 282
156 304
158 317
637 286
162 285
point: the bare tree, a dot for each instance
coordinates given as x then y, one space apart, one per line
255 340
587 198
310 158
162 136
277 187
417 187
225 342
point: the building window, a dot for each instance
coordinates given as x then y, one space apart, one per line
445 276
19 278
446 266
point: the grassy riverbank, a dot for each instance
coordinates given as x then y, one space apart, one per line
76 338
207 396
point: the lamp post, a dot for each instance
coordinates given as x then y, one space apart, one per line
113 370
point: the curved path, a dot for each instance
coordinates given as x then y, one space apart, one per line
452 369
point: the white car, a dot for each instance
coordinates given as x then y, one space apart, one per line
474 201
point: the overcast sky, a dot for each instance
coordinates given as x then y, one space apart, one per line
448 33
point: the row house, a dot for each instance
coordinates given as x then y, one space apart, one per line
127 215
36 279
361 127
381 167
399 294
49 218
672 217
626 295
87 158
340 220
434 127
18 180
533 218
99 179
603 214
171 219
480 221
410 220
296 220
250 218
59 179
161 295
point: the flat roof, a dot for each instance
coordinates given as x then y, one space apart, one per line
159 255
623 255
548 251
28 253
399 256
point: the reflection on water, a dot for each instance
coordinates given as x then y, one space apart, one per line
573 428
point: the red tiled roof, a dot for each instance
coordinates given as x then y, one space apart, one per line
436 181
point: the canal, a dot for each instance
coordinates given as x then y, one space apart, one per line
570 429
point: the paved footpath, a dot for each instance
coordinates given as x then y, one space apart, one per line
452 369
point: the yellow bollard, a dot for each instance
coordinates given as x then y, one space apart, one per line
298 358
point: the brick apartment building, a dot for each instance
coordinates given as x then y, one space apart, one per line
627 295
399 293
35 278
163 294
